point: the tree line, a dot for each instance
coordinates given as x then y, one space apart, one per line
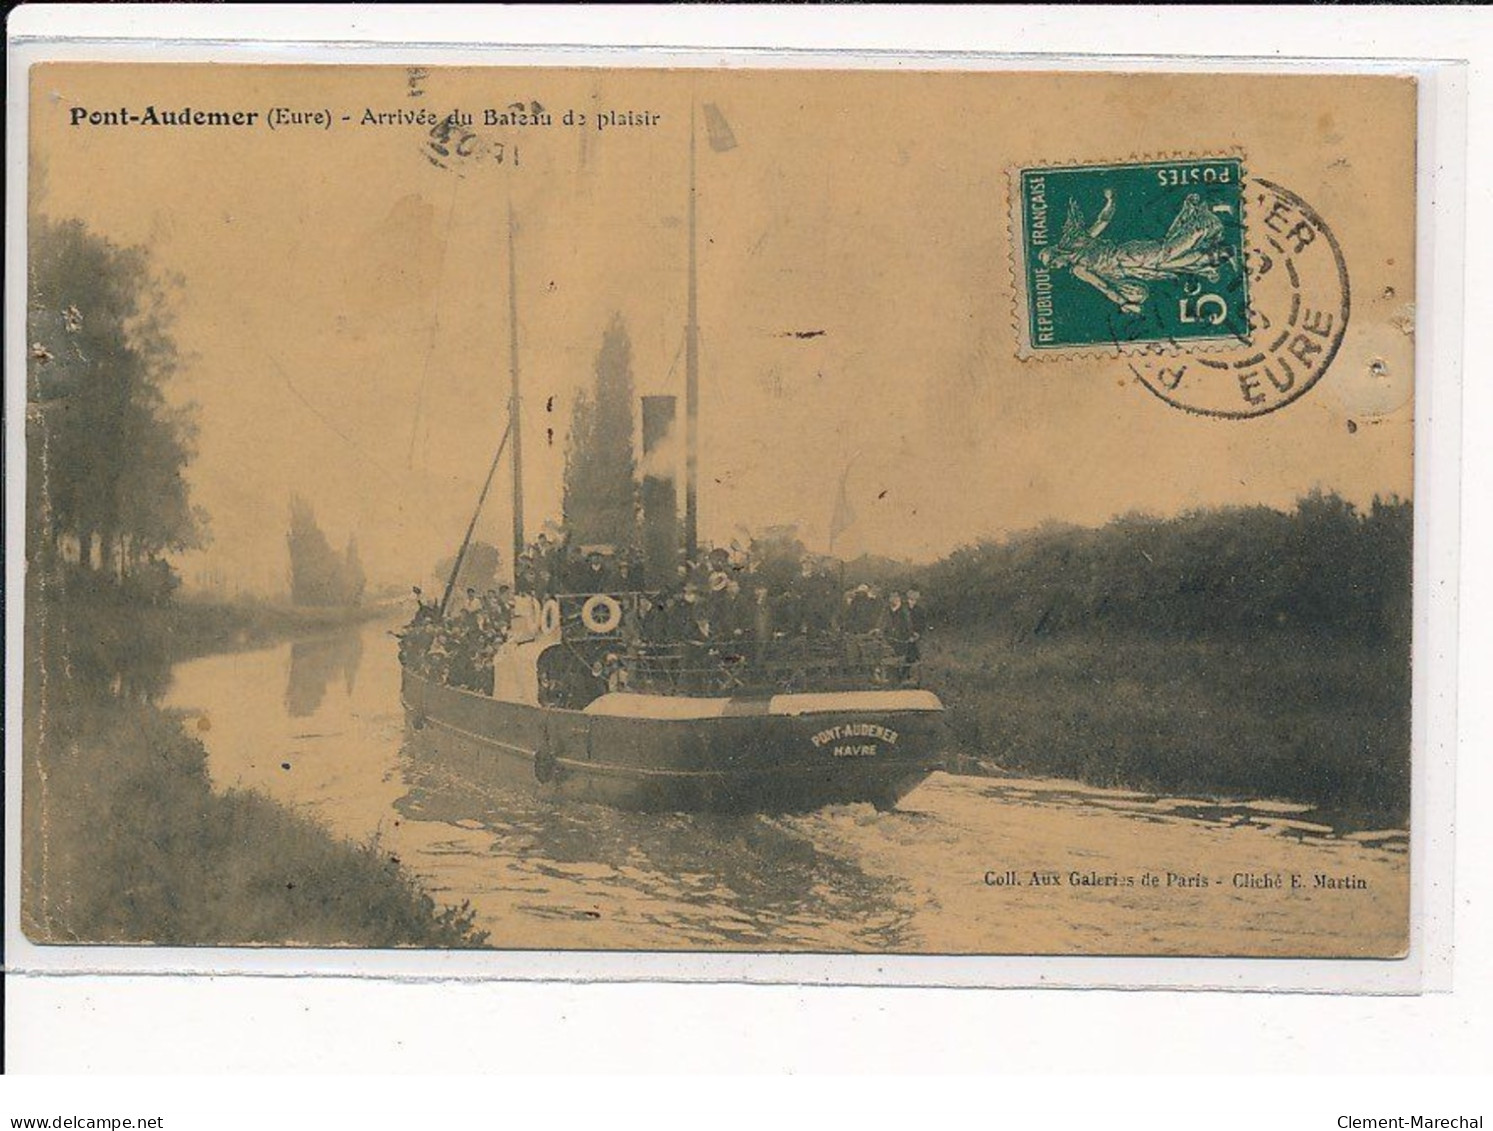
1323 566
107 495
106 453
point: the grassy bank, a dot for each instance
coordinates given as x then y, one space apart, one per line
103 634
198 627
125 841
1290 715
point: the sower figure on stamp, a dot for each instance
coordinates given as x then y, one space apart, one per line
1193 245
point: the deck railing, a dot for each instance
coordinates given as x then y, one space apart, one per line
624 644
613 645
782 665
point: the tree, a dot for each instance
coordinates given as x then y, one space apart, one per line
318 574
106 453
601 489
479 569
354 579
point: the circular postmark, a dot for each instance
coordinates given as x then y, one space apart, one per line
453 142
1299 307
464 138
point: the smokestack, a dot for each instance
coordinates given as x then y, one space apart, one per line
660 493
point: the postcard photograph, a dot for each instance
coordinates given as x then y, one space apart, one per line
880 511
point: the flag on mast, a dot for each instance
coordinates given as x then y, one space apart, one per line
717 129
844 514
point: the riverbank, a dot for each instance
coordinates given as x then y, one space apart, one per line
124 839
197 627
1289 715
103 634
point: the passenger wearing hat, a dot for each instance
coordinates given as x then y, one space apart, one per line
917 624
568 572
416 637
525 574
732 620
860 612
596 578
820 597
546 567
718 599
424 614
694 632
917 616
788 611
718 560
497 612
858 619
612 671
896 627
738 615
683 614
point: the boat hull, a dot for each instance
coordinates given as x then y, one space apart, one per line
744 756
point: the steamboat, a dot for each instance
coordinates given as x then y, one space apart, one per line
580 704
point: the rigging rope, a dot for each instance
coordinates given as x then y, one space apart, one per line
476 514
435 330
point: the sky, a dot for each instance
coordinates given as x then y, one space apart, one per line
343 310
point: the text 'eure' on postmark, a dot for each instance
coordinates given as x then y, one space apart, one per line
1301 303
1224 294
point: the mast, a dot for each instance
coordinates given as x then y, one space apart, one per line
515 429
691 373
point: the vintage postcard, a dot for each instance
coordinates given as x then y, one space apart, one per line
865 511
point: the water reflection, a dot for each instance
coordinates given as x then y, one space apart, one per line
314 664
567 875
539 873
703 879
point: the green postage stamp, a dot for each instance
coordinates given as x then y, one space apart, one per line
1143 254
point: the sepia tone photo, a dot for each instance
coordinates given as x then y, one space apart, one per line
767 510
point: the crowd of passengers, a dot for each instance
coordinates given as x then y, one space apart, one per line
728 617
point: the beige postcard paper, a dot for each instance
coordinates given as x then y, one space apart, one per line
880 511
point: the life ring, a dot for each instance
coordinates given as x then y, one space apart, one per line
549 617
601 614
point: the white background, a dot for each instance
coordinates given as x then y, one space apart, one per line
162 1024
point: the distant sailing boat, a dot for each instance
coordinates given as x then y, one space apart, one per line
782 724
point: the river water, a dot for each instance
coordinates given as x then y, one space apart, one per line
966 865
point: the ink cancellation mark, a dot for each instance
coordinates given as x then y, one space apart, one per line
455 141
1301 302
1226 295
1130 256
